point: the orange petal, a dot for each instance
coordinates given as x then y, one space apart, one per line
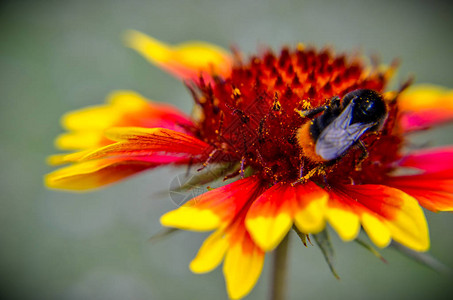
398 211
433 190
185 61
423 106
271 215
215 208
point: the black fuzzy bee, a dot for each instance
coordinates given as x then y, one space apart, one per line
341 124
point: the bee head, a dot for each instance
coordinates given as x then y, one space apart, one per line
368 106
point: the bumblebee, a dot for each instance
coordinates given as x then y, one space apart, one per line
340 125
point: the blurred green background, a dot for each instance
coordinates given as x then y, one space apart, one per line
57 56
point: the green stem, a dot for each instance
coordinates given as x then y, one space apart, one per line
279 271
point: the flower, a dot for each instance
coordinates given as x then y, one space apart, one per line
251 118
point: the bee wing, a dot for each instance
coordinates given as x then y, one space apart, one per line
338 136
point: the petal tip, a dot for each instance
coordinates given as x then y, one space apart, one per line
268 232
345 223
190 218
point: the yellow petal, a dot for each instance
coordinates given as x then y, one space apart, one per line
241 270
409 226
210 254
268 231
58 159
185 60
92 117
377 231
345 222
191 218
78 140
87 125
426 97
104 116
311 218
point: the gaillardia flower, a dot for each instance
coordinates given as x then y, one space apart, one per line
305 137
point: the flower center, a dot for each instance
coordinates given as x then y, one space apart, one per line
253 116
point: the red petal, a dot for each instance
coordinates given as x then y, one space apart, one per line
377 198
430 160
415 121
434 191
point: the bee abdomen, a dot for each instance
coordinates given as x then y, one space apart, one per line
307 143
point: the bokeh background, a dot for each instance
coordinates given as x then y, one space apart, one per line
57 56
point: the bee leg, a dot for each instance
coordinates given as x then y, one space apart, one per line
310 113
318 170
334 104
364 155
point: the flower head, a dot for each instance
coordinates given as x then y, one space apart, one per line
309 137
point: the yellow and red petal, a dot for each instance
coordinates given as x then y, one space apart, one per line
137 141
189 60
423 106
433 190
309 214
137 149
272 214
93 174
396 210
215 208
430 160
224 209
124 108
243 259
